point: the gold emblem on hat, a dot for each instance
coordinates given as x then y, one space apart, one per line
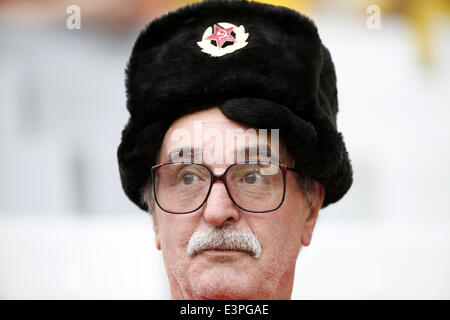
222 41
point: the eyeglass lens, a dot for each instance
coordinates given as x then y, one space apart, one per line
183 187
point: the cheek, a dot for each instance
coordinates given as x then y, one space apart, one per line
293 213
281 231
294 206
174 232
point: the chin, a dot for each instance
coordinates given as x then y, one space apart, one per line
220 293
220 286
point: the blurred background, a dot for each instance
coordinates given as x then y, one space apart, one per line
67 229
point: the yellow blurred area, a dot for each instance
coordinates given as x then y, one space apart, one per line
300 5
420 14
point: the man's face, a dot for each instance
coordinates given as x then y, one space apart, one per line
232 274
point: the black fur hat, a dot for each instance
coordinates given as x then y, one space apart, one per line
280 75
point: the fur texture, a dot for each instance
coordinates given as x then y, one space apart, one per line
284 78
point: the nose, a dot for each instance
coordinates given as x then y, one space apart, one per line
219 208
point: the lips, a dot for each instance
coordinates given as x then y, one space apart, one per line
225 250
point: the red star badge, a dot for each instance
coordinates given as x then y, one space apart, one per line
221 35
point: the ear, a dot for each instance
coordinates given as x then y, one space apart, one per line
312 212
156 229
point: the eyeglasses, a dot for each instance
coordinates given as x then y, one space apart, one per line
180 187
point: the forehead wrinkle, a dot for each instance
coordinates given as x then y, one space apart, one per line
209 121
253 150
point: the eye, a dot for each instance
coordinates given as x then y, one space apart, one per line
189 178
252 178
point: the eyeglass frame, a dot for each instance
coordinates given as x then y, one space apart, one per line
222 177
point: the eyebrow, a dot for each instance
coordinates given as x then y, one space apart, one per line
180 152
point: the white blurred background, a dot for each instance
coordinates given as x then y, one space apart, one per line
67 229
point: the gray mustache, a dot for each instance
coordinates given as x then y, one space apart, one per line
224 238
